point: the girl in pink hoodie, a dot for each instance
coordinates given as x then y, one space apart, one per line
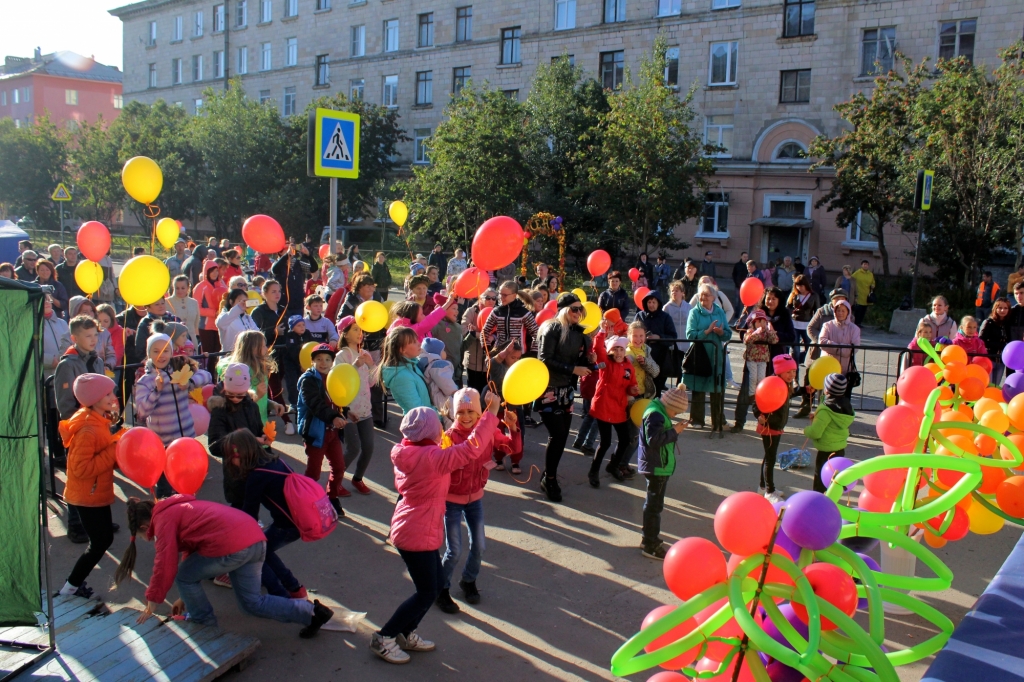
968 339
423 477
410 314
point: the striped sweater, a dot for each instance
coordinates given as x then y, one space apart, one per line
512 322
166 410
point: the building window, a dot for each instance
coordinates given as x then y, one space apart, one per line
718 133
876 51
241 13
176 72
218 18
3 98
724 4
672 67
71 97
27 94
864 231
421 135
118 101
358 41
565 14
197 24
956 39
667 8
197 67
356 87
510 45
570 57
795 86
291 51
424 87
242 65
323 70
716 214
266 15
512 94
289 101
291 8
391 35
177 28
460 76
790 152
799 18
390 96
264 96
198 103
218 63
265 60
323 4
722 69
798 209
151 40
152 80
463 24
612 64
614 10
425 34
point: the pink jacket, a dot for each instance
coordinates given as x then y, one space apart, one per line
971 344
424 326
423 477
468 482
181 523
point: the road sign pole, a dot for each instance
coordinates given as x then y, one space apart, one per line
334 215
62 224
917 258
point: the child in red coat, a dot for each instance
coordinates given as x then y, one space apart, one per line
968 339
616 382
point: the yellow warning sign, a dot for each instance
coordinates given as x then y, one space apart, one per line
61 193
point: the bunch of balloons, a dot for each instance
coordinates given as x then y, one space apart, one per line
141 456
781 608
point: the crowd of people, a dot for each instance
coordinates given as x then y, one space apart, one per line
240 322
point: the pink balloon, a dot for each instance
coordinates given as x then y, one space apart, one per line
898 425
915 384
200 418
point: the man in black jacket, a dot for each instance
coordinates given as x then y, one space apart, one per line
193 265
437 258
66 272
292 269
739 273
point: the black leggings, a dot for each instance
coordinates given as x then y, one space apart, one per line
622 433
558 425
96 521
771 450
824 456
427 575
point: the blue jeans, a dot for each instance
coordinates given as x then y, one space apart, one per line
428 576
244 568
800 353
276 577
474 513
587 435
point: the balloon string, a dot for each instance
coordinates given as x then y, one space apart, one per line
757 593
529 475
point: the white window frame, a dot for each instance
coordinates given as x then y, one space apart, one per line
769 198
853 235
3 98
725 4
358 46
71 97
719 135
152 33
775 152
177 73
197 104
391 27
389 91
717 233
266 57
118 101
732 53
614 11
197 24
177 29
669 8
290 98
565 15
291 8
266 11
354 85
218 63
218 18
265 96
16 99
291 51
241 13
420 155
867 68
242 60
197 68
152 77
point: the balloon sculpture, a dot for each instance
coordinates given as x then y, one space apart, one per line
782 607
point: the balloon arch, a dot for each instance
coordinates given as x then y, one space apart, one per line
549 226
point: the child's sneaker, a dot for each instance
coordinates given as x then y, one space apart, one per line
413 642
775 497
516 469
299 593
343 491
83 591
289 429
499 466
657 553
388 649
361 487
321 614
223 580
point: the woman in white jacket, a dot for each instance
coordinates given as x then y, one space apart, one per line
359 435
234 318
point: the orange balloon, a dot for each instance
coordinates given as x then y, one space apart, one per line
966 411
995 393
955 372
1010 496
945 393
991 477
986 444
952 354
932 367
971 389
995 420
984 405
1015 410
951 417
965 443
1016 439
978 372
934 540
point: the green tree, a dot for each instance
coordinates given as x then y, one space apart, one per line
1010 75
33 160
96 169
647 168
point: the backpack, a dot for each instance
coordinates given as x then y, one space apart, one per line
311 510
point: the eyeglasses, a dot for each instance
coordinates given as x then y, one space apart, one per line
576 309
234 396
490 298
30 260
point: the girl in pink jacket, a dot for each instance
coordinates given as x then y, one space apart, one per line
423 477
410 314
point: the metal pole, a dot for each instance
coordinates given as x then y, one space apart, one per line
334 215
917 258
62 224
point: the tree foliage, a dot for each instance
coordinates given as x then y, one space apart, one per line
32 162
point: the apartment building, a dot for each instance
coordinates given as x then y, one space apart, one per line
768 74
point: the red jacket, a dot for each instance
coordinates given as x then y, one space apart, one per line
181 523
232 271
468 482
972 344
208 295
614 384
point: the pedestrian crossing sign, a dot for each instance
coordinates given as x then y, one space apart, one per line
333 149
61 193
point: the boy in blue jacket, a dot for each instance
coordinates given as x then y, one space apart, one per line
656 460
320 422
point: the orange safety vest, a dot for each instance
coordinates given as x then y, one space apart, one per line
980 301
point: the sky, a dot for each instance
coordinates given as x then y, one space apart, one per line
81 26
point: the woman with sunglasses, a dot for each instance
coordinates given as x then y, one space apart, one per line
474 359
562 347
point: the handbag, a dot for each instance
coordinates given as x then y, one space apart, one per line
696 361
852 376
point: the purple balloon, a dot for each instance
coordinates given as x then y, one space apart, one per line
1013 355
812 520
1013 385
862 603
833 467
782 540
779 672
787 612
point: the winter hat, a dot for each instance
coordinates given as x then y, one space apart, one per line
294 320
567 299
758 314
675 400
613 315
322 348
158 341
432 346
616 342
344 323
849 308
838 293
835 385
783 363
236 378
466 397
174 330
421 423
89 389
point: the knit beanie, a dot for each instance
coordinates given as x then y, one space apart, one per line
612 315
835 385
432 346
294 320
783 363
174 330
236 378
158 342
616 342
421 423
675 400
467 397
89 389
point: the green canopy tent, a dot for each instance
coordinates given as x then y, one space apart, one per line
22 492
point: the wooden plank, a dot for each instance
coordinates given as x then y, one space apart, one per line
145 652
105 655
26 634
83 634
202 662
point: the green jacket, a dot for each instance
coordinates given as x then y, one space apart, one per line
829 430
656 454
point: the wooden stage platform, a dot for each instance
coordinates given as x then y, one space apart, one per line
96 643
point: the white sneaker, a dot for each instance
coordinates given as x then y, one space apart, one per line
762 492
775 497
289 429
388 649
414 642
733 385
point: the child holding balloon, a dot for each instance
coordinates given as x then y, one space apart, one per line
830 425
359 434
771 425
320 424
756 350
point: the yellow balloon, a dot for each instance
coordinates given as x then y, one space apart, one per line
525 381
342 384
143 280
306 355
167 232
982 521
592 319
580 294
636 412
371 316
88 276
254 300
890 396
399 212
388 305
821 368
142 179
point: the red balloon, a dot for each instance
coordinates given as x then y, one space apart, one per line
141 456
93 240
471 283
771 394
1010 496
751 291
898 425
774 574
263 234
638 296
187 465
886 483
744 523
481 317
207 393
832 584
868 501
634 274
676 633
551 305
666 676
958 527
983 362
915 384
692 565
599 262
544 315
497 243
324 250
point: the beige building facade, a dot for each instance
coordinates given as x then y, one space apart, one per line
769 73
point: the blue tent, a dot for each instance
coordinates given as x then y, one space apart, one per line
10 235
